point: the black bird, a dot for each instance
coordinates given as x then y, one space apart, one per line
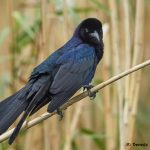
57 78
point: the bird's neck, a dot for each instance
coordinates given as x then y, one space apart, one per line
99 52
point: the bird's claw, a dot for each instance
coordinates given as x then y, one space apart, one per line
87 87
92 95
60 113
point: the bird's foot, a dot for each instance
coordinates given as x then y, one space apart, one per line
92 95
60 113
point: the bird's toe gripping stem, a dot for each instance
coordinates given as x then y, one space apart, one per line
60 113
92 95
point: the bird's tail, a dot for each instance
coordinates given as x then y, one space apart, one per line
26 100
11 108
39 95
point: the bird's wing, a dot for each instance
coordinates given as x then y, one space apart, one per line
49 65
74 67
46 67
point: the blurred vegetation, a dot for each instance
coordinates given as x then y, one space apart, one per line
31 30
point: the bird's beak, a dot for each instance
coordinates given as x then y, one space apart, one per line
95 35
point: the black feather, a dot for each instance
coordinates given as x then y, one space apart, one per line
38 96
58 77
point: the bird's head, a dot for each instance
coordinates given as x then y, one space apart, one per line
90 31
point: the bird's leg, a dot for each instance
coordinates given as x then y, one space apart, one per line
92 95
60 113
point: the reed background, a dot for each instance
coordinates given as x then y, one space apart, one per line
30 30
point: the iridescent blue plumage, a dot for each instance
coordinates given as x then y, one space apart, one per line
75 67
48 65
57 78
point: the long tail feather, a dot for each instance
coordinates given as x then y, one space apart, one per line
10 109
38 96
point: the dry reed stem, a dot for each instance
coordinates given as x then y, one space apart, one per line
135 84
108 119
134 109
74 122
54 131
117 62
127 35
46 143
11 6
79 97
138 41
75 118
86 123
44 22
27 141
127 65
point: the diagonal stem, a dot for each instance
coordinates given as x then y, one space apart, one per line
79 97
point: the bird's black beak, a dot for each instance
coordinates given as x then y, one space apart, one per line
95 35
